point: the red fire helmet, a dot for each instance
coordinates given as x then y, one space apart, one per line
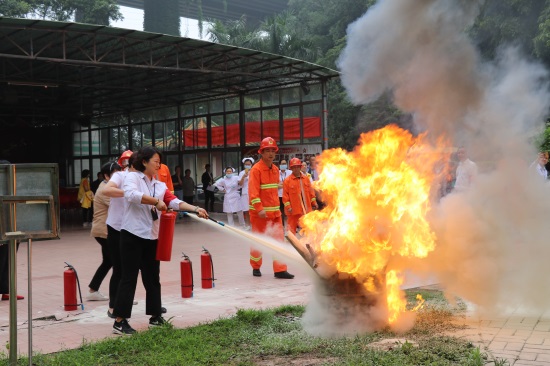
295 162
125 155
267 143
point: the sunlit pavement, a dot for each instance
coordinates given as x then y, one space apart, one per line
521 340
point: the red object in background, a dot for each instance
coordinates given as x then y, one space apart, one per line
166 236
207 269
186 271
253 132
69 289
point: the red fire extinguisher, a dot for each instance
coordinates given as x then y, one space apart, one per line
70 282
166 235
207 269
186 271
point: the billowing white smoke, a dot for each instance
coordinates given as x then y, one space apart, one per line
494 240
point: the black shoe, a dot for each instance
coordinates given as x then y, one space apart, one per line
110 315
256 273
123 328
156 321
163 309
284 274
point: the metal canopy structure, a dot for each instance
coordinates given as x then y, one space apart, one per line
54 72
255 11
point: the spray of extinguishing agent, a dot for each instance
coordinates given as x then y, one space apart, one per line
70 282
207 269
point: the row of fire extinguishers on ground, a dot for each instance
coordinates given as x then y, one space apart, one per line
164 253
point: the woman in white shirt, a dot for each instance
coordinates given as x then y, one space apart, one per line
144 198
232 199
243 182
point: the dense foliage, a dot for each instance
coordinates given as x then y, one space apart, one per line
85 11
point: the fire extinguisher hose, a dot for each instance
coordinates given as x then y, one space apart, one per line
78 283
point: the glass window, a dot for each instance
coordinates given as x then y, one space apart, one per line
95 142
96 168
104 141
312 124
187 110
201 133
291 125
216 106
189 163
76 144
171 136
311 92
232 104
232 130
84 143
232 159
201 108
217 164
217 131
159 136
137 137
123 140
147 134
114 140
270 124
77 172
252 128
171 161
270 98
188 135
290 95
252 101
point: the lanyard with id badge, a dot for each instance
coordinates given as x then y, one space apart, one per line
154 213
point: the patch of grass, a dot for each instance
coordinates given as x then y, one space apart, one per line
274 336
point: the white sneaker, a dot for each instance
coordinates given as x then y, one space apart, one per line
96 296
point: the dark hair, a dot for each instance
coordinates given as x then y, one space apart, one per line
109 168
230 167
145 153
85 173
187 170
207 166
132 159
177 166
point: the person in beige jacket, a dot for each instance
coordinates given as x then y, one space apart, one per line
99 233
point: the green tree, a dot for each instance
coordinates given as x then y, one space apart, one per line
161 16
87 11
14 8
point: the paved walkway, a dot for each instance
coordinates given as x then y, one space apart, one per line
521 340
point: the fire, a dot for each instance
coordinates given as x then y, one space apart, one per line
377 198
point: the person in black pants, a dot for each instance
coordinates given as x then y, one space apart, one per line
145 197
208 181
99 233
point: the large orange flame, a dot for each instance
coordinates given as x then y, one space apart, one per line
377 197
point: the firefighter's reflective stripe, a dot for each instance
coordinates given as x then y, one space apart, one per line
266 209
288 203
269 186
313 199
256 259
255 200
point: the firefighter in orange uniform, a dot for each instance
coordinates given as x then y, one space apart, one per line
164 176
298 195
265 214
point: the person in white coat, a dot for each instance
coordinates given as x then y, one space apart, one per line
232 198
243 182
